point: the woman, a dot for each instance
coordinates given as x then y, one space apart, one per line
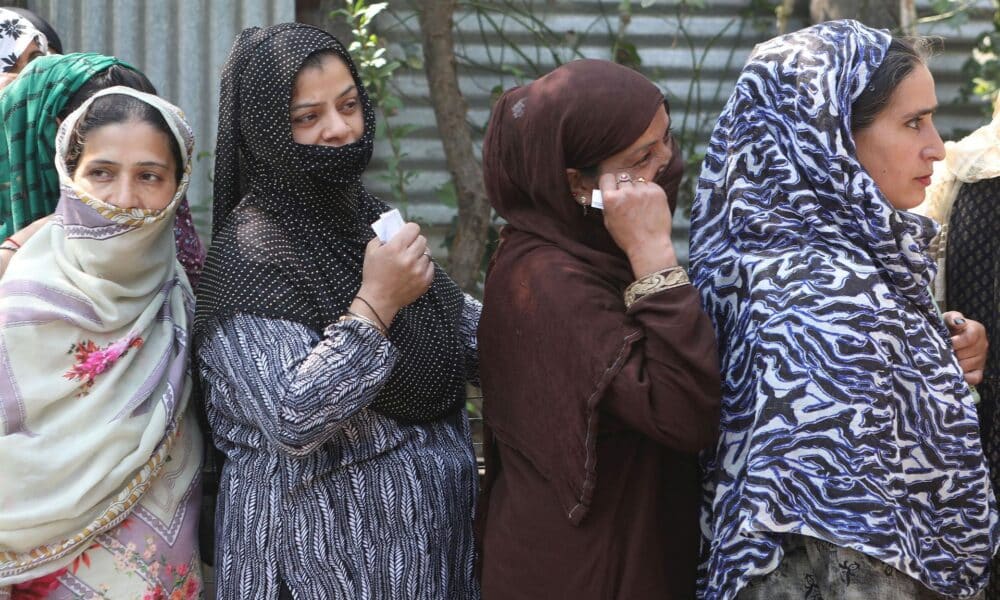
598 365
334 366
32 108
962 199
100 452
850 464
20 43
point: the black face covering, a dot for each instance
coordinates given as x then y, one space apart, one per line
291 222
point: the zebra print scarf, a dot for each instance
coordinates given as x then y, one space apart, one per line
845 414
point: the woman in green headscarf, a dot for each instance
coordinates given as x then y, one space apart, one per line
31 109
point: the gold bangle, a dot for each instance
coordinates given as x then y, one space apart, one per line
353 316
657 282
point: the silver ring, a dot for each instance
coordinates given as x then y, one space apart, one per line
624 178
427 253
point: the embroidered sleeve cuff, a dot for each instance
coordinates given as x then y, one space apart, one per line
657 282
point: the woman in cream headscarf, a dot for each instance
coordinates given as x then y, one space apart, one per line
99 456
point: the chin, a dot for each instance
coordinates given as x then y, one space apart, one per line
908 202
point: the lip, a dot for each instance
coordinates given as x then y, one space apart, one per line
925 180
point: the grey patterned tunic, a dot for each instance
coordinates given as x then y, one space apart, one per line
317 491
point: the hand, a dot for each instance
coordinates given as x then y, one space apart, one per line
394 274
968 338
637 216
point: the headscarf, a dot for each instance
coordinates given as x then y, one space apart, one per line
974 158
94 368
574 117
846 416
16 34
51 37
291 222
29 184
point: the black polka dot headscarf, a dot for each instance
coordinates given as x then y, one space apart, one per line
291 221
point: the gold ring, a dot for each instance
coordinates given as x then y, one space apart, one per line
641 179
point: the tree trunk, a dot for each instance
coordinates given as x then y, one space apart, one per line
450 111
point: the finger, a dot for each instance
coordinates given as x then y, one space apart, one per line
623 179
429 273
955 321
417 247
607 183
405 236
974 377
972 363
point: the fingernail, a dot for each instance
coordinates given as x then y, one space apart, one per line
959 321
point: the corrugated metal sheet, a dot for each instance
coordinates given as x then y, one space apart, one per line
713 41
180 44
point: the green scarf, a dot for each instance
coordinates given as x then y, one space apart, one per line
29 184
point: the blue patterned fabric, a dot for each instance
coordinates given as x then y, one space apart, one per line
845 414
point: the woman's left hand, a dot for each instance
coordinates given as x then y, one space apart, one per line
969 340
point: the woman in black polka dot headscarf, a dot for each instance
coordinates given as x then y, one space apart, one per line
334 366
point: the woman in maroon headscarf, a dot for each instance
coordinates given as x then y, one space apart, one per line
598 366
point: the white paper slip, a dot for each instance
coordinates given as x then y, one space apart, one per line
596 199
387 225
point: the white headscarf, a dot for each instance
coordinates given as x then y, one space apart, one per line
16 34
94 319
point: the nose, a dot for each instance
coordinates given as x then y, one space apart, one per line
336 131
934 151
124 195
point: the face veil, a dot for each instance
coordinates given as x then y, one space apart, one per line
291 221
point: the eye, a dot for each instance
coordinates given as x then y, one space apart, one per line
645 159
99 174
349 106
915 123
304 119
150 177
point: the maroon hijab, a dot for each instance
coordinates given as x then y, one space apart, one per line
554 333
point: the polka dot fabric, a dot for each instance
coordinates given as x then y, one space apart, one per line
291 221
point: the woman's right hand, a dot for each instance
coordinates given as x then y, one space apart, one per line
394 274
637 216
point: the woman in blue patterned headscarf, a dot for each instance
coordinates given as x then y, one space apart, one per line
849 464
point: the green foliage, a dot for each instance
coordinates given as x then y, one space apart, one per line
377 69
982 69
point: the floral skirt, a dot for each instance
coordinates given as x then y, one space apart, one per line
813 569
152 555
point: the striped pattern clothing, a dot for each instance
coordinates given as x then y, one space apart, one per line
320 492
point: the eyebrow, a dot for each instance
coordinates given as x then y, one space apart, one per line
919 113
145 163
302 105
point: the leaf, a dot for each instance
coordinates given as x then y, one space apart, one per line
447 194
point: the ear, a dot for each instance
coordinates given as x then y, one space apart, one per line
579 184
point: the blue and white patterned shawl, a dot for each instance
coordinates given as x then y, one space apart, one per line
845 414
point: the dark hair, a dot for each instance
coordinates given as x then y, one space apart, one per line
119 108
41 25
110 77
900 59
315 60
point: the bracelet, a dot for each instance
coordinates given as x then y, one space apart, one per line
657 282
11 240
374 312
6 247
353 316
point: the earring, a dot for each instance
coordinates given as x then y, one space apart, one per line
583 201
